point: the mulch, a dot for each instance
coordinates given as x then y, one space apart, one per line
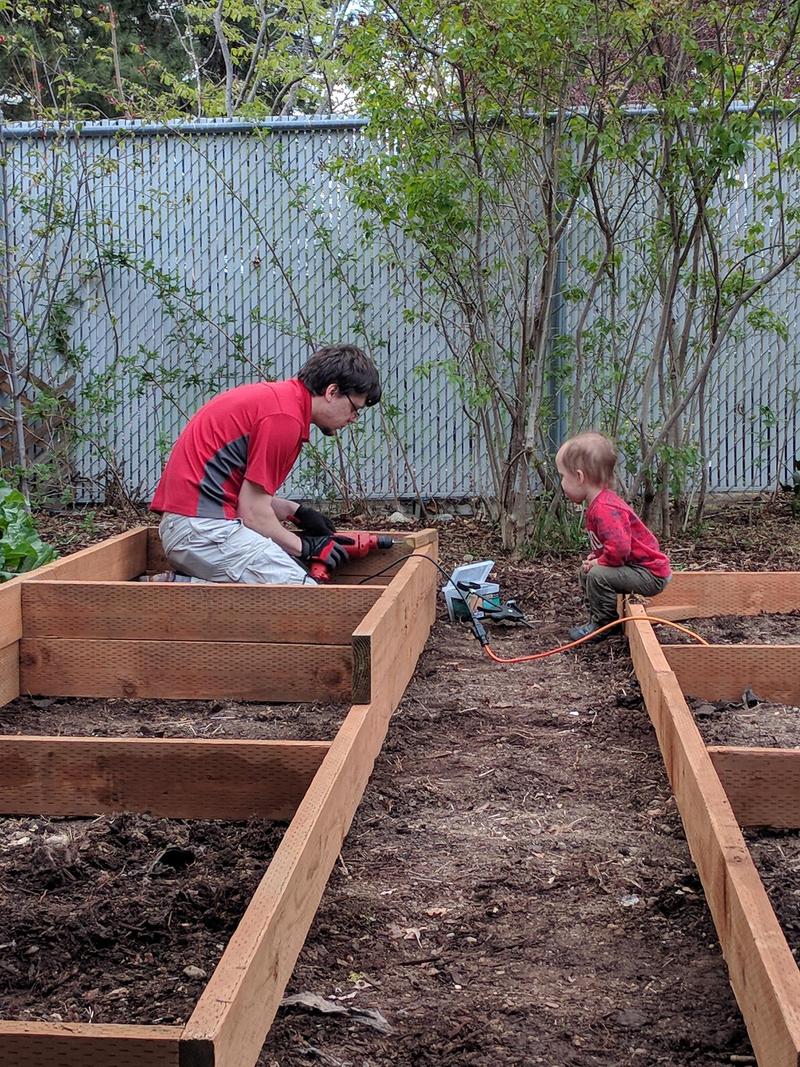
515 887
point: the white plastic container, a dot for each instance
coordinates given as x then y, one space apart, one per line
474 574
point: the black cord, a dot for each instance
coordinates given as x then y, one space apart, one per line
417 555
477 628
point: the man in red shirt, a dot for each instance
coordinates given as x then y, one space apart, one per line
222 520
624 556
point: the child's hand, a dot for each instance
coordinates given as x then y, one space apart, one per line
587 564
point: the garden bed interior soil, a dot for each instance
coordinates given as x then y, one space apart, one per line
516 886
218 719
120 919
776 854
781 628
747 724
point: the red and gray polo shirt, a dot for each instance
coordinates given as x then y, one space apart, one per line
253 432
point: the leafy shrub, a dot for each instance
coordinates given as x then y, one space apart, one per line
21 548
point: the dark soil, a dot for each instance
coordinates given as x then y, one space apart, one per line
516 887
102 918
747 723
778 629
777 857
174 718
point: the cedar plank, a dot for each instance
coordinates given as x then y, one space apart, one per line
185 670
171 778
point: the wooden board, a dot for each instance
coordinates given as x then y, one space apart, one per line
762 970
724 672
88 1045
702 594
182 612
762 784
186 670
234 1013
155 561
675 612
175 779
380 560
356 581
230 1022
10 612
9 673
117 559
381 641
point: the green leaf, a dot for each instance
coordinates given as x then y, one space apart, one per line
21 548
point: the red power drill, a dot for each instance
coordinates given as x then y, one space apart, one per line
363 544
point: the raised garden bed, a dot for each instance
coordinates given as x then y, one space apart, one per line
719 790
82 628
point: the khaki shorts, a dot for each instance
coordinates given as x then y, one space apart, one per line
225 550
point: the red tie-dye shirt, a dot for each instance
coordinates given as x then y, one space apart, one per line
619 537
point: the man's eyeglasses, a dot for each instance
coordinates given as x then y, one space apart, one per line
356 410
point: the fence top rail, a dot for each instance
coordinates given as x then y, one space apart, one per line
175 128
43 129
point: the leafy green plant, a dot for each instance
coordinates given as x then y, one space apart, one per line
556 527
128 58
21 548
495 134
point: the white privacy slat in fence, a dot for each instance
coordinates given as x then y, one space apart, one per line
237 216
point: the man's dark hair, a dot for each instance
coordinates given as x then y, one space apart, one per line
345 366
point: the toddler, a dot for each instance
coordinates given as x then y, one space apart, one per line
624 556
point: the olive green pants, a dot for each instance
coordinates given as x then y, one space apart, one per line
602 584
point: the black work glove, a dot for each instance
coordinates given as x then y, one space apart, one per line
313 522
327 550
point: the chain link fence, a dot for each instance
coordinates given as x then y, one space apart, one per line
158 265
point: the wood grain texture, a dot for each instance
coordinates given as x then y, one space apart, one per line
762 970
88 1045
393 627
172 778
9 673
762 784
379 560
156 560
185 670
235 1011
703 594
117 559
10 612
724 672
145 611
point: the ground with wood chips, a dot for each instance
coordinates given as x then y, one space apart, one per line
515 888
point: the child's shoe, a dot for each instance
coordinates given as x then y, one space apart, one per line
590 628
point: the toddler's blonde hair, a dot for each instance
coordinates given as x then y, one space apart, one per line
591 452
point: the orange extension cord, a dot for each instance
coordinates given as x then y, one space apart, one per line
480 632
589 637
